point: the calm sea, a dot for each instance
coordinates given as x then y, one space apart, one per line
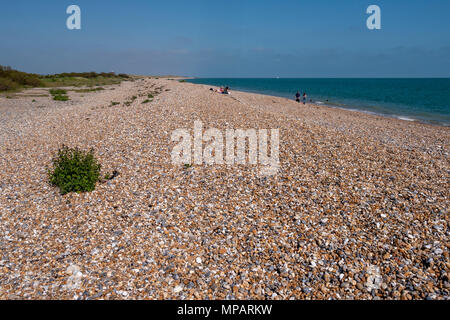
426 100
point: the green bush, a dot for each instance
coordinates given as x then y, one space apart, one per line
90 90
82 75
7 84
16 79
60 98
57 91
74 170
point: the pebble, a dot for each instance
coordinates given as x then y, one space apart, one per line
351 206
345 285
178 289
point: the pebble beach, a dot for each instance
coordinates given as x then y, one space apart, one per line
357 210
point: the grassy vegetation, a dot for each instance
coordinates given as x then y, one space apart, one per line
61 98
153 94
57 91
89 90
80 81
59 94
12 80
128 103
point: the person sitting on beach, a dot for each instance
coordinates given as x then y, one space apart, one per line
225 91
297 96
304 97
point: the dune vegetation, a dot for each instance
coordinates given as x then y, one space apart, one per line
13 80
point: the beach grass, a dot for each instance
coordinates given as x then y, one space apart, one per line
80 81
89 90
57 91
60 97
14 81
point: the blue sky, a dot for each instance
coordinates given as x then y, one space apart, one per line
242 38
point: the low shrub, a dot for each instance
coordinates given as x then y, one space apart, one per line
74 170
61 98
7 84
89 90
57 91
17 79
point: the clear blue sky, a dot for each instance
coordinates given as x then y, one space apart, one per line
234 38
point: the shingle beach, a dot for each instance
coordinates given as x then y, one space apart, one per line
358 209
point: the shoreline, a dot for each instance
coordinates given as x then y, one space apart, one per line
358 209
345 107
393 116
403 119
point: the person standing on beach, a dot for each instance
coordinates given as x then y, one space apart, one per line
297 96
304 97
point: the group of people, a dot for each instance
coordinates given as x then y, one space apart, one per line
298 95
221 90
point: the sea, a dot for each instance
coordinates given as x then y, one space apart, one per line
424 100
